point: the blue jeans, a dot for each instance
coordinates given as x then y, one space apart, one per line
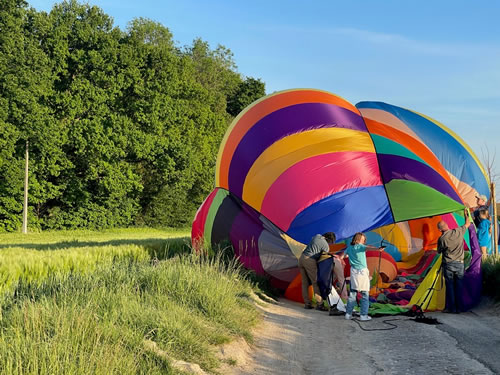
365 303
454 276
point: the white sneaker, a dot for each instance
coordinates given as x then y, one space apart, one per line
365 317
348 316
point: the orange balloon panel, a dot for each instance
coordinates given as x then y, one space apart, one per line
336 247
294 290
387 266
426 228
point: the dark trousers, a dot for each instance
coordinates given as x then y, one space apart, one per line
454 276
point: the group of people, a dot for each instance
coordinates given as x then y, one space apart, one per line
450 245
360 276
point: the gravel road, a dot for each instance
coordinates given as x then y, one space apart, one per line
292 340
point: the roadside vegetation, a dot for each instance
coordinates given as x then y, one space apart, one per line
92 308
491 276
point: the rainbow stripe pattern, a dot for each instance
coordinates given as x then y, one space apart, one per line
311 162
300 162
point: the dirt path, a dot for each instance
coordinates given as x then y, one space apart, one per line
292 340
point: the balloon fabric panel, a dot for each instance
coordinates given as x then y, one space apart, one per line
283 122
261 108
412 144
390 147
314 179
198 229
450 151
227 212
245 232
397 167
424 201
344 213
296 148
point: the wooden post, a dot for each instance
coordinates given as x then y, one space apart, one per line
25 207
494 220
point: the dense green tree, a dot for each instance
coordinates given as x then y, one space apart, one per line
12 13
123 126
25 88
101 189
246 93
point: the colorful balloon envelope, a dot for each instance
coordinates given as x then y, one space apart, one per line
301 162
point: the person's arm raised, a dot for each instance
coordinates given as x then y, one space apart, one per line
467 218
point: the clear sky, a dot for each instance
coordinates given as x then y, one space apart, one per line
440 58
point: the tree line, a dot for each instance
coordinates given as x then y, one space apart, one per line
123 127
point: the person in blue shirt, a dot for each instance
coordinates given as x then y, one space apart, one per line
360 276
309 270
484 232
481 204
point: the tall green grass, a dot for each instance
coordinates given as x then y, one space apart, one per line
97 323
151 239
34 257
94 316
490 268
23 266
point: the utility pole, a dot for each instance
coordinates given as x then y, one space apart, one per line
25 207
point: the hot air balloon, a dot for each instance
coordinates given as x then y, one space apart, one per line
300 162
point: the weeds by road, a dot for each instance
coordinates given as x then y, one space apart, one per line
90 307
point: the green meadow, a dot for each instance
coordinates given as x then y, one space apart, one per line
83 302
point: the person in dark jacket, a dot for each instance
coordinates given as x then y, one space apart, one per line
309 269
451 246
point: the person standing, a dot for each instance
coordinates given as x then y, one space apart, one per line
482 204
484 233
309 270
360 276
451 246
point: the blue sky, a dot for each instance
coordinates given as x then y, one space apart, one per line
440 58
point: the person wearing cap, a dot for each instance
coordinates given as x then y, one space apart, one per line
451 246
482 205
309 269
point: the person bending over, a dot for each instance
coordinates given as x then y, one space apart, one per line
309 269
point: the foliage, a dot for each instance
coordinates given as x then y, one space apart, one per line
490 268
247 92
123 125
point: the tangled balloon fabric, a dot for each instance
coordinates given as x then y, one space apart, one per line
300 162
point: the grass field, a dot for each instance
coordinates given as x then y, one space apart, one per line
33 257
82 302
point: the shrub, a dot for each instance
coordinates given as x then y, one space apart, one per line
491 276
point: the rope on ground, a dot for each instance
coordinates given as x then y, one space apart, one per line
385 321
